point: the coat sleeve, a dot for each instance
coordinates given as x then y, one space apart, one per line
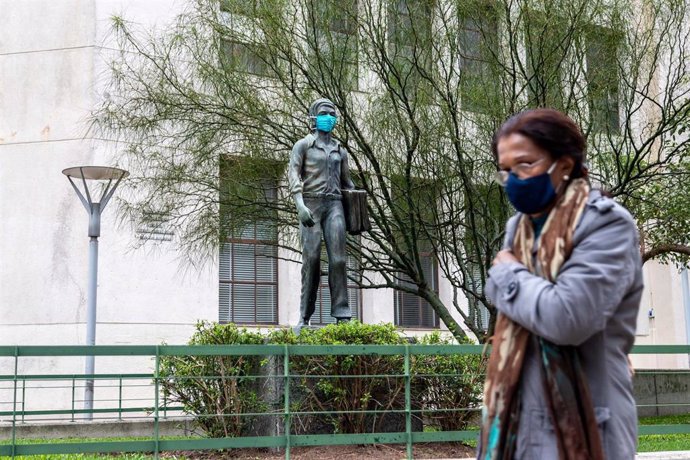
589 288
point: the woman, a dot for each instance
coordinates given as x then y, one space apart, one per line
567 286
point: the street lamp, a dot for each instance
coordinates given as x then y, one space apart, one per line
93 173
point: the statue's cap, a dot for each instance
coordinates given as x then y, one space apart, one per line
316 105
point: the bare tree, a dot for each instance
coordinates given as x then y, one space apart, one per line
210 107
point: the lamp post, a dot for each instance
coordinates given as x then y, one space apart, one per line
95 209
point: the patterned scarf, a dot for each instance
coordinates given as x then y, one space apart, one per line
565 386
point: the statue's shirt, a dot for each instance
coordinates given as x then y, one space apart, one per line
317 169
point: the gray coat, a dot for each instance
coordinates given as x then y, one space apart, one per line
593 305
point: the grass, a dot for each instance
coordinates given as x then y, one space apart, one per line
664 442
122 456
647 443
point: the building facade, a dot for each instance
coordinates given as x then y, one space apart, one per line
52 75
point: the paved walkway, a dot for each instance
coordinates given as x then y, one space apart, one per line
676 455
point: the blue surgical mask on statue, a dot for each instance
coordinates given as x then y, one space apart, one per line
325 122
533 194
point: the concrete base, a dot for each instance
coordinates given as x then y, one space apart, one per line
663 392
98 429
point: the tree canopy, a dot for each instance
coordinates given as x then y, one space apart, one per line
210 106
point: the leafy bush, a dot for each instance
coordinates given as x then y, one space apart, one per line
450 386
221 390
218 390
332 384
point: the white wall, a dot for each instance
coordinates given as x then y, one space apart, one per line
663 295
49 75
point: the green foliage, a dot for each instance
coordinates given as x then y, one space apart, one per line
351 393
420 88
449 386
217 389
664 442
663 210
334 384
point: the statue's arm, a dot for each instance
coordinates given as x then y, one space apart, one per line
295 168
295 182
345 177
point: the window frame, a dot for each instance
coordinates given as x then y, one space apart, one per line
329 29
474 65
265 185
323 284
398 303
256 243
604 118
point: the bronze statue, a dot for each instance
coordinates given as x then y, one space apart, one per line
318 174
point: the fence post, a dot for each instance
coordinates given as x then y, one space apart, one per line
23 398
286 387
14 401
408 403
73 388
119 401
155 409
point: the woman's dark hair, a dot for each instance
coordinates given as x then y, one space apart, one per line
551 130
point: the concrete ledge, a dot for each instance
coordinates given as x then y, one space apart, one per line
172 426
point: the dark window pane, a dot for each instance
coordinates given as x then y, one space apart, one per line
409 36
478 37
322 312
410 309
248 270
334 32
246 58
602 80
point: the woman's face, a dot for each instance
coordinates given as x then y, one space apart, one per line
517 153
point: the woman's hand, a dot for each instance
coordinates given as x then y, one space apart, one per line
505 256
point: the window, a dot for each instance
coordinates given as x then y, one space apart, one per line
335 39
410 34
249 277
602 80
546 53
323 300
245 57
417 198
248 283
236 54
479 314
477 36
246 8
489 213
410 309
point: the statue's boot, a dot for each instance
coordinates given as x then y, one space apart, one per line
298 328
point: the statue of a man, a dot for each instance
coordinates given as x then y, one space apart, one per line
317 173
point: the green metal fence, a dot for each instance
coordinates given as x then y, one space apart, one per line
156 409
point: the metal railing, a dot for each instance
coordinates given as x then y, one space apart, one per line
157 408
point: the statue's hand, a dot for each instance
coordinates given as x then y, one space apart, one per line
305 216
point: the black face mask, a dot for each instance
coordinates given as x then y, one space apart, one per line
533 194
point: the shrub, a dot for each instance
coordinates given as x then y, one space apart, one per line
449 386
332 384
218 390
221 390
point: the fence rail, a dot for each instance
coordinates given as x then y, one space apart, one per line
154 407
